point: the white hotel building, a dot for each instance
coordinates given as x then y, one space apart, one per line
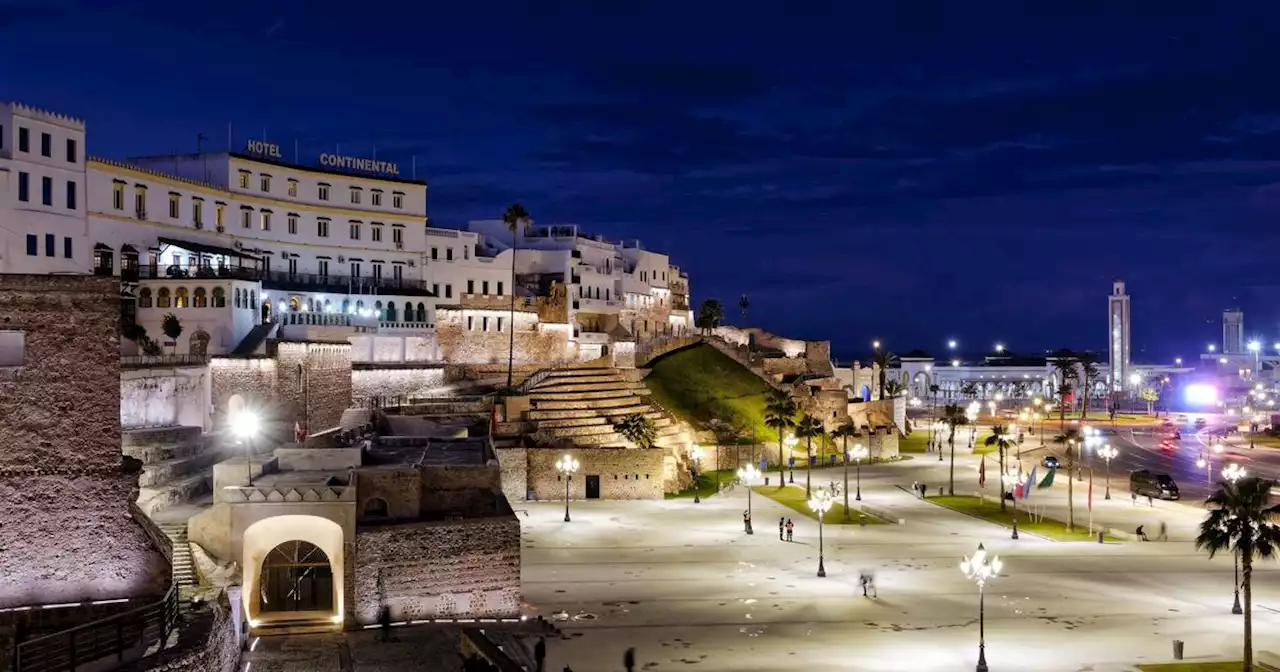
235 244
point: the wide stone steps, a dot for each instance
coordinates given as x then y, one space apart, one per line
579 380
150 453
569 396
657 417
158 473
185 489
354 417
567 388
586 371
540 415
184 572
160 436
579 404
614 438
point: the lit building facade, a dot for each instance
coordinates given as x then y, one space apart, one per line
1118 347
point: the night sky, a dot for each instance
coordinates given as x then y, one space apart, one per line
906 171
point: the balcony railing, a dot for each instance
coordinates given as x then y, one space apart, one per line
341 284
174 272
146 361
314 319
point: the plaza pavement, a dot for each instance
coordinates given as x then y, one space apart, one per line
682 583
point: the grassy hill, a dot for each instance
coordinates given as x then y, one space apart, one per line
700 384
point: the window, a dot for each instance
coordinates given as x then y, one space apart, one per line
174 201
72 154
46 190
448 291
293 187
355 195
33 245
219 298
246 217
322 191
471 286
266 220
144 297
197 211
244 179
471 323
375 197
46 145
355 230
117 195
264 182
484 324
200 298
322 228
448 254
376 232
355 269
162 298
397 271
397 235
24 140
180 298
50 242
499 288
466 252
377 271
12 348
435 253
397 200
499 324
293 266
324 267
293 223
218 209
435 290
71 195
484 287
24 187
140 201
66 247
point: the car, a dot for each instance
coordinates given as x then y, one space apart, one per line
1201 423
1168 444
1050 461
1182 418
1146 483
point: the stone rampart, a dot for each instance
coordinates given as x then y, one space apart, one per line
624 473
394 384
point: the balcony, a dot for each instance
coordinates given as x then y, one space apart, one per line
341 284
597 305
176 272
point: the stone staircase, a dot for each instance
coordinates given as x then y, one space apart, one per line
184 572
354 417
176 465
581 406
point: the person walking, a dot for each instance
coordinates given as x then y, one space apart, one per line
1141 533
629 660
864 581
782 526
790 528
1164 532
540 654
746 521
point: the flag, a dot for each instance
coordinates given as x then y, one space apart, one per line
1026 486
1048 480
982 474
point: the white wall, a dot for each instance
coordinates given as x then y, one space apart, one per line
159 397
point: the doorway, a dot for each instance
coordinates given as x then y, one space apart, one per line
296 576
593 486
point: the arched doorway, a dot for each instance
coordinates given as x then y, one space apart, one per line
296 576
866 393
266 310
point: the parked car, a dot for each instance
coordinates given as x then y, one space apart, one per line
1050 461
1146 483
1201 423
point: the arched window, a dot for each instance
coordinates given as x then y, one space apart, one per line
422 312
376 507
181 299
253 300
199 299
346 306
144 297
295 305
237 297
328 305
359 305
219 298
162 298
391 311
311 305
377 310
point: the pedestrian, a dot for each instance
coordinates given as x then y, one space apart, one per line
1164 532
915 487
871 583
1141 533
862 581
790 528
540 654
629 660
1150 502
1134 496
746 521
782 525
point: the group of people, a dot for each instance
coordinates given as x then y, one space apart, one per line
785 525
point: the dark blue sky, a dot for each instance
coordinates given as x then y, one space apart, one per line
902 170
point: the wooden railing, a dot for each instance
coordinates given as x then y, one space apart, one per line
100 640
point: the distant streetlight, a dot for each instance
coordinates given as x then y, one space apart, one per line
1177 360
1107 452
858 453
748 473
1011 481
999 347
981 569
820 503
875 344
246 425
1212 348
952 345
696 453
1232 473
791 442
955 362
567 466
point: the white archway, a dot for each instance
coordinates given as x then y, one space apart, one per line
263 536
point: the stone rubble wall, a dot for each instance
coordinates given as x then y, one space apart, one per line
254 379
325 389
165 396
411 383
450 569
513 463
625 473
535 343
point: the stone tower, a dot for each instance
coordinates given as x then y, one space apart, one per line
1232 332
1118 336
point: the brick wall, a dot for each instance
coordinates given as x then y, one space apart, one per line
253 379
535 343
62 488
468 569
325 389
625 473
394 383
401 489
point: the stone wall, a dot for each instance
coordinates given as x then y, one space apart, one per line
394 383
217 651
392 348
62 486
160 397
313 383
253 380
537 343
400 488
513 463
625 473
783 366
453 569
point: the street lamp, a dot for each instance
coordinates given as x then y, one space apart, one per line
748 473
791 442
1011 485
696 453
1206 462
245 425
1107 453
875 344
820 502
567 466
1232 473
858 453
980 569
952 345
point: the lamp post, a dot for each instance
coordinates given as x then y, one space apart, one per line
1232 473
937 432
1107 453
858 453
820 502
245 425
1011 485
696 453
791 441
748 473
1206 462
980 568
567 466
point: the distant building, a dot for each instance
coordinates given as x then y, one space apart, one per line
1118 343
1233 332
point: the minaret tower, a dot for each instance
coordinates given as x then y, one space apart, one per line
1118 336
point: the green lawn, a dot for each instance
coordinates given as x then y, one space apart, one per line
918 442
700 384
1221 666
706 484
990 511
793 498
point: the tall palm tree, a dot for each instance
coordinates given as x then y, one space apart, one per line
808 428
743 304
883 360
892 389
780 414
1089 374
845 431
953 416
1074 443
1242 520
1065 364
516 218
1003 440
969 389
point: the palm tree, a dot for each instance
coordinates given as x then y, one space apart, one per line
639 430
1089 374
1074 442
808 428
516 218
743 304
933 389
953 416
969 389
710 315
892 388
883 360
1242 520
845 431
1064 363
1002 439
780 414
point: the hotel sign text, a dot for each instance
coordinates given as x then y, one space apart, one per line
363 165
262 148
